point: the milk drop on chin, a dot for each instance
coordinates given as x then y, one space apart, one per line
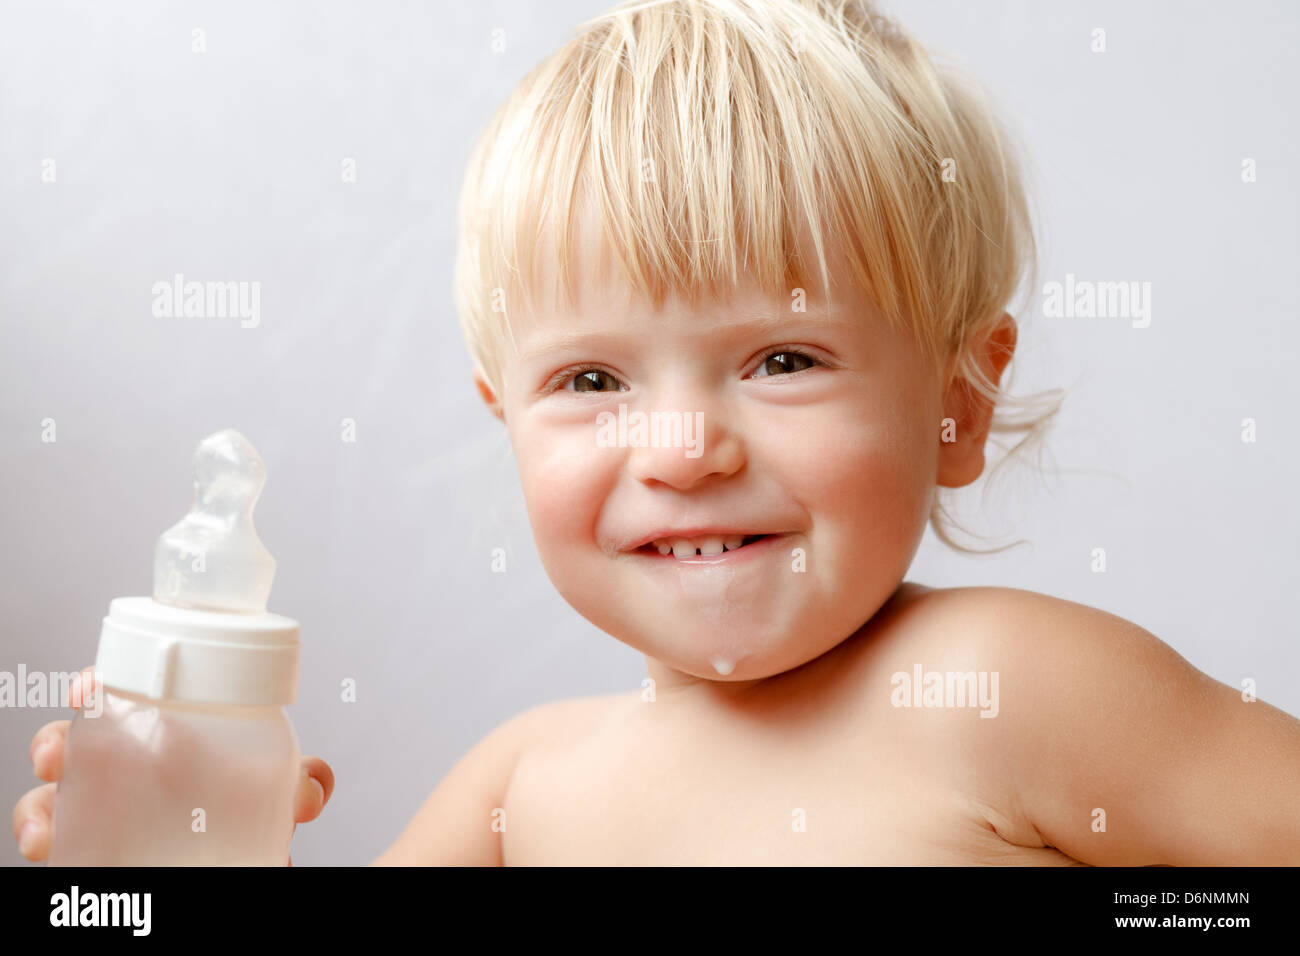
185 756
707 591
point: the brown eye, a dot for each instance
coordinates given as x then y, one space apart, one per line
783 363
591 380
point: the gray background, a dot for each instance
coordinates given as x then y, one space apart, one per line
226 165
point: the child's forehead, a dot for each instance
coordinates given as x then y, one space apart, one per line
598 302
596 299
608 315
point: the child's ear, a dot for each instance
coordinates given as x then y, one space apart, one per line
485 392
961 440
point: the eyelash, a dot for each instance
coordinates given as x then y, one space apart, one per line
785 350
563 377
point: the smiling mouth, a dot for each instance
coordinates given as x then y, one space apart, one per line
683 548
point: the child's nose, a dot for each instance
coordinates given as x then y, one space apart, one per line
685 448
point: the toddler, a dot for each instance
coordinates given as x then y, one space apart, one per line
734 276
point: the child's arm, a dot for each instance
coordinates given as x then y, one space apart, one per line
1102 716
455 826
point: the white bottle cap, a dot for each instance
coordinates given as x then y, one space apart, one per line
206 636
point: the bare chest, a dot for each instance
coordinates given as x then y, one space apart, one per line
684 792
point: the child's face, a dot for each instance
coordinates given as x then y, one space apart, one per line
831 450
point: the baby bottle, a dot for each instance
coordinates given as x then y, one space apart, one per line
184 756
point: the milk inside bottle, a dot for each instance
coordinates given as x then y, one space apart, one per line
186 756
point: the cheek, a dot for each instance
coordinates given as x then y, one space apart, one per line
564 476
865 478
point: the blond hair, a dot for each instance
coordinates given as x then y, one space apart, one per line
758 121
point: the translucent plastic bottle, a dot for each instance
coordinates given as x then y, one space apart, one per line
187 756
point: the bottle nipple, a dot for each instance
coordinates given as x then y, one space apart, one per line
213 559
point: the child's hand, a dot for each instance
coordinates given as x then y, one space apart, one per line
34 811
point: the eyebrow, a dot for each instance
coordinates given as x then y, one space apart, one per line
757 324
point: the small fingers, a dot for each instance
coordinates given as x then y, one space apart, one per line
46 750
315 785
34 822
81 686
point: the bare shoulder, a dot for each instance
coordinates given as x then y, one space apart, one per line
985 601
1010 682
561 722
454 826
1025 628
1108 744
1045 655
